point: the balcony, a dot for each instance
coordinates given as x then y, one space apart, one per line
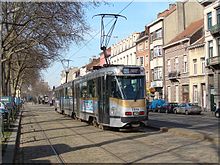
213 62
174 75
215 30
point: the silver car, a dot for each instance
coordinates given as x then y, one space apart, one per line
188 108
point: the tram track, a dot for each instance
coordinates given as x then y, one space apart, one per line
115 134
58 156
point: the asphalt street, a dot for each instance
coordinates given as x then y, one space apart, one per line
206 122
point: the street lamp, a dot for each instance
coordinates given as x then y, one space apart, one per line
65 63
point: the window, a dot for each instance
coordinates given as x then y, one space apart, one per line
157 51
195 93
158 34
194 66
146 75
157 73
177 93
210 49
169 94
151 37
151 54
218 15
168 66
177 64
209 20
185 68
218 46
203 65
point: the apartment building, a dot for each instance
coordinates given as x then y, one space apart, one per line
212 51
142 53
168 24
197 70
156 56
124 52
176 57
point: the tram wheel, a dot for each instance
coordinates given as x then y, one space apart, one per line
94 122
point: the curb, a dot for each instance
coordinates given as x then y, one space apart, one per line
182 132
12 144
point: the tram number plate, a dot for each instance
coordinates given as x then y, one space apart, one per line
136 113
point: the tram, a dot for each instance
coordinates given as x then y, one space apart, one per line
112 96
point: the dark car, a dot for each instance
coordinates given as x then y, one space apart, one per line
168 107
217 113
188 108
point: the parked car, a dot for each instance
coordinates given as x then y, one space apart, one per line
155 105
168 107
217 113
3 110
188 108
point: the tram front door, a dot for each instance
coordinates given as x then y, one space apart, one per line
103 104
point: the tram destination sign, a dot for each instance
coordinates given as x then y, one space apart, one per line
131 71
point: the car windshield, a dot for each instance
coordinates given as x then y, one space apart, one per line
132 88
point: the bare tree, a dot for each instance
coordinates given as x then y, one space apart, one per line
35 31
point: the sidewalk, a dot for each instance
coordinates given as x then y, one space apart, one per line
9 154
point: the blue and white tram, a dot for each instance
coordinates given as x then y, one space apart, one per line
113 96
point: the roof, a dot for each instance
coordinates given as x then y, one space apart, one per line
200 42
167 12
189 31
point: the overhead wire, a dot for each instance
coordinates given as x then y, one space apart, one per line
99 30
96 34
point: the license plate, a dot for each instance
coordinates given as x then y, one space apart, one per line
135 113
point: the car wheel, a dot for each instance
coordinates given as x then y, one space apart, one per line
217 114
186 112
175 111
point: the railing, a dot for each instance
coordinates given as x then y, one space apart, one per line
173 75
215 30
213 61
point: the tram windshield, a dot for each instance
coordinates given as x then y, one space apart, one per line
130 88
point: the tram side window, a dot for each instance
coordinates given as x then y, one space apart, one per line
115 92
83 90
69 92
91 88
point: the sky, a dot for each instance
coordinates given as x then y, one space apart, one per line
138 14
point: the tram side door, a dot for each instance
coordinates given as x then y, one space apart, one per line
103 103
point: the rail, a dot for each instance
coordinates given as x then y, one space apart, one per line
58 156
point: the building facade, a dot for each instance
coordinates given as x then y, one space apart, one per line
212 51
124 52
197 70
142 53
176 57
156 56
169 23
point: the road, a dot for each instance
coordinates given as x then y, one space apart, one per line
206 122
49 137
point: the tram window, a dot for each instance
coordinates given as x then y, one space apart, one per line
83 90
115 92
91 88
69 92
